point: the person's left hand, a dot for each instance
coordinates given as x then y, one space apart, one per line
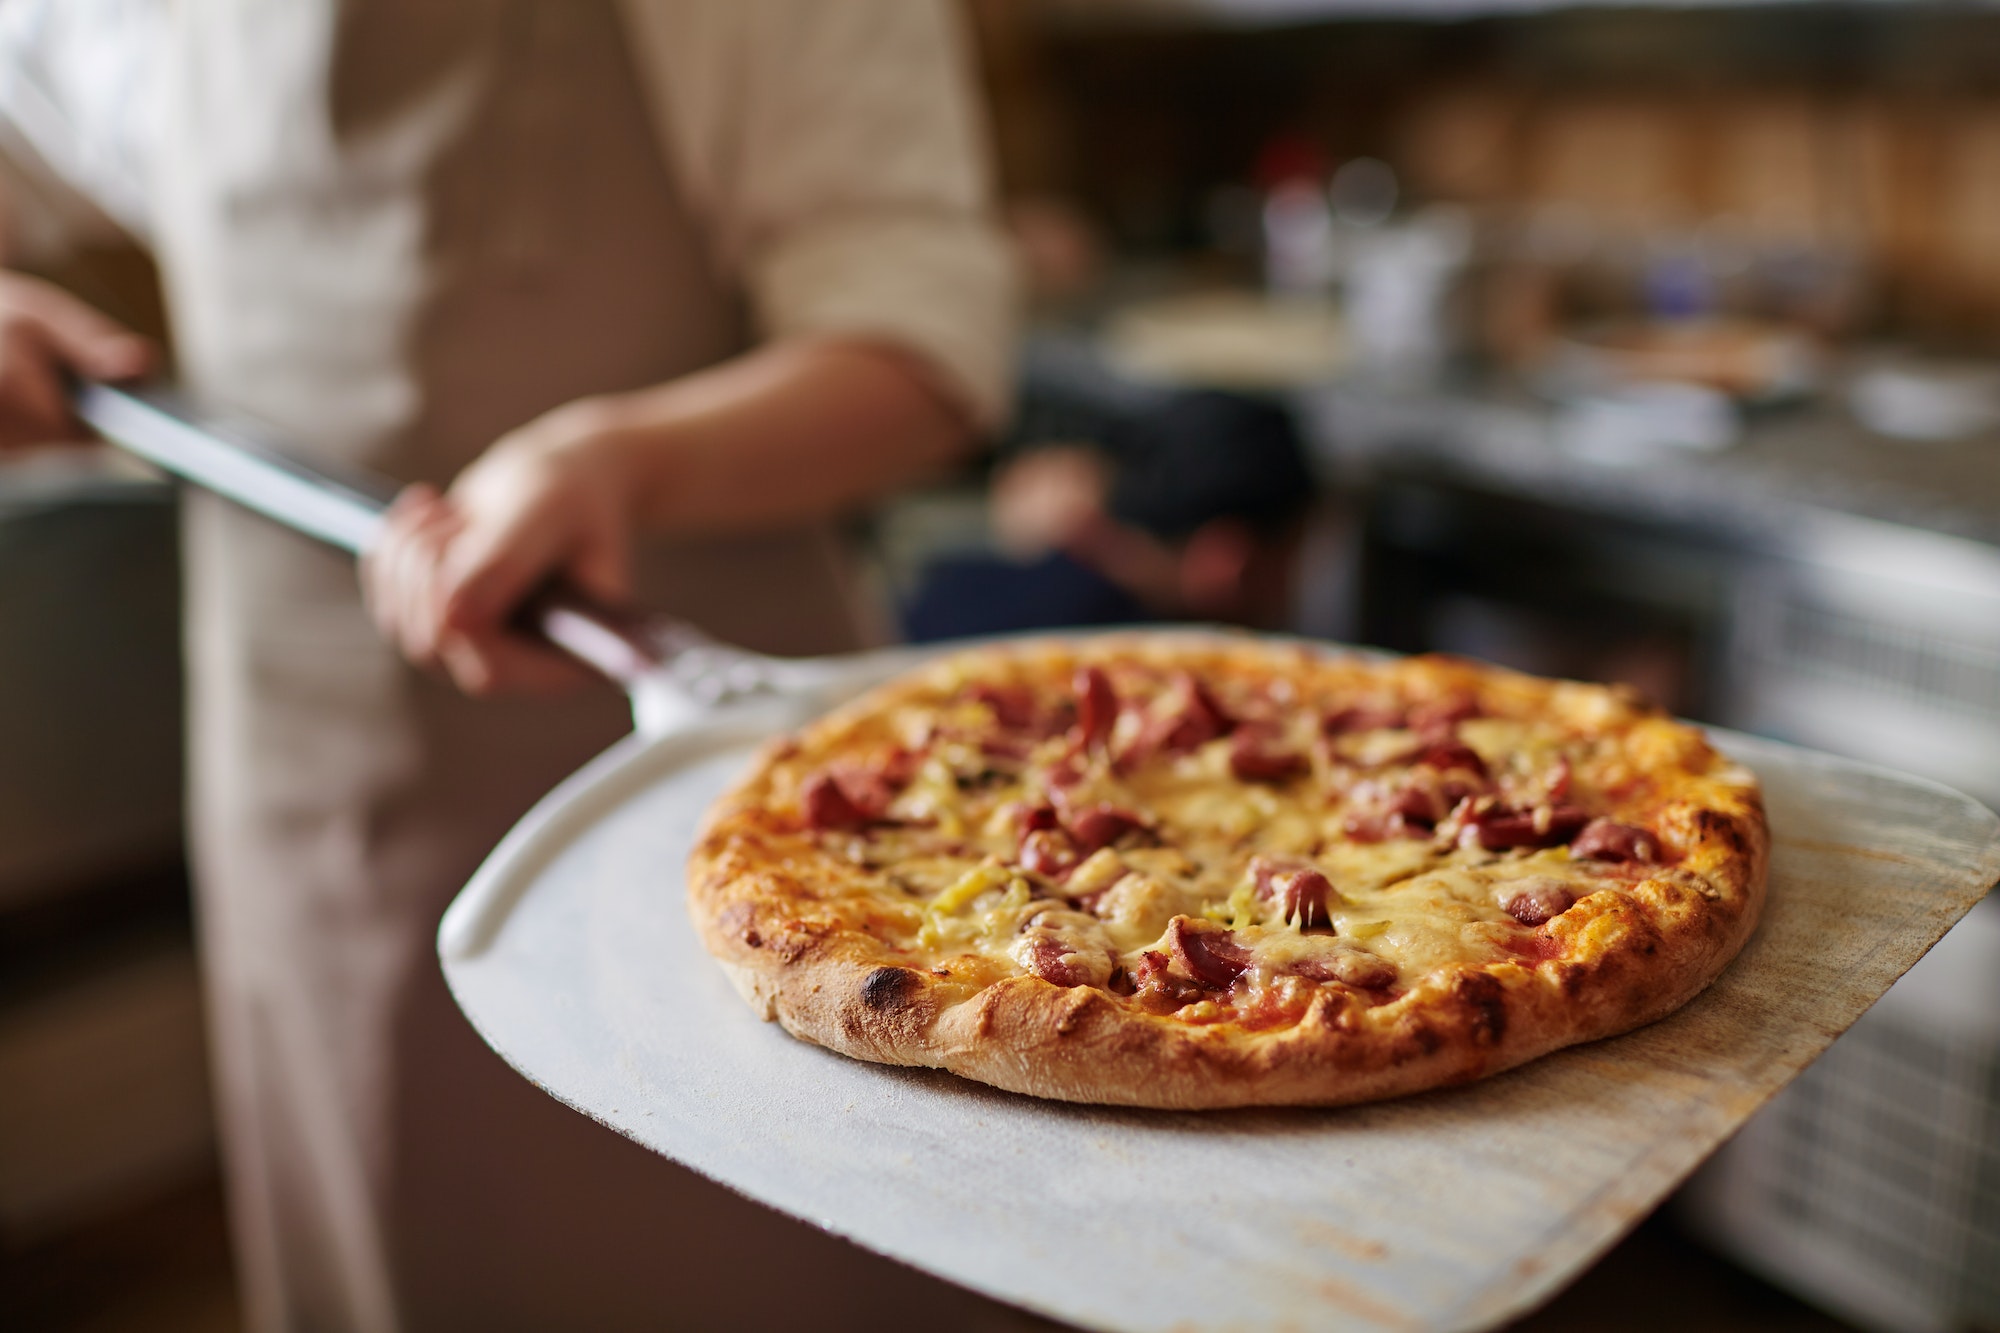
1049 498
448 571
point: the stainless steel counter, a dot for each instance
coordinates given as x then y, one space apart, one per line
1849 585
1793 464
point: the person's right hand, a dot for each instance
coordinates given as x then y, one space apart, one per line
44 332
447 572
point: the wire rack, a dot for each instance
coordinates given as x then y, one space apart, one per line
1872 1184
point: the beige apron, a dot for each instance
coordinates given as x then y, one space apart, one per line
394 231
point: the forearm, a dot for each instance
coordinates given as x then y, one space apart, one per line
791 430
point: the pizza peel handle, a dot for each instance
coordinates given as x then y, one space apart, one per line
671 670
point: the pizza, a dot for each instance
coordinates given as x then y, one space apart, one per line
1201 871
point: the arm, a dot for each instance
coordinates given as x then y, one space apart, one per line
790 430
834 153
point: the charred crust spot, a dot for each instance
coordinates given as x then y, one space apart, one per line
1486 1005
1723 829
888 989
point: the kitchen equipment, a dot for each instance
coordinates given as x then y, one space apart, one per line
90 658
571 953
1748 361
1243 342
1871 1186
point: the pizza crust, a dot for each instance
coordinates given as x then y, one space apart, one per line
1629 953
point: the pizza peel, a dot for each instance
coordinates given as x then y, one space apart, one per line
571 952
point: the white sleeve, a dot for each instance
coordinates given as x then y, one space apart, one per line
836 153
78 112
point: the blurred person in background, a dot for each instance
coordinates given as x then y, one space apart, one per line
1117 499
1124 508
708 270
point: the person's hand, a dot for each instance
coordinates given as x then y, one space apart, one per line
796 429
44 332
550 499
1049 499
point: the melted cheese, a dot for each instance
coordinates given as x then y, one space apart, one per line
1408 903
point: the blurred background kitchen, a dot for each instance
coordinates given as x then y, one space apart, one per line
1649 344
